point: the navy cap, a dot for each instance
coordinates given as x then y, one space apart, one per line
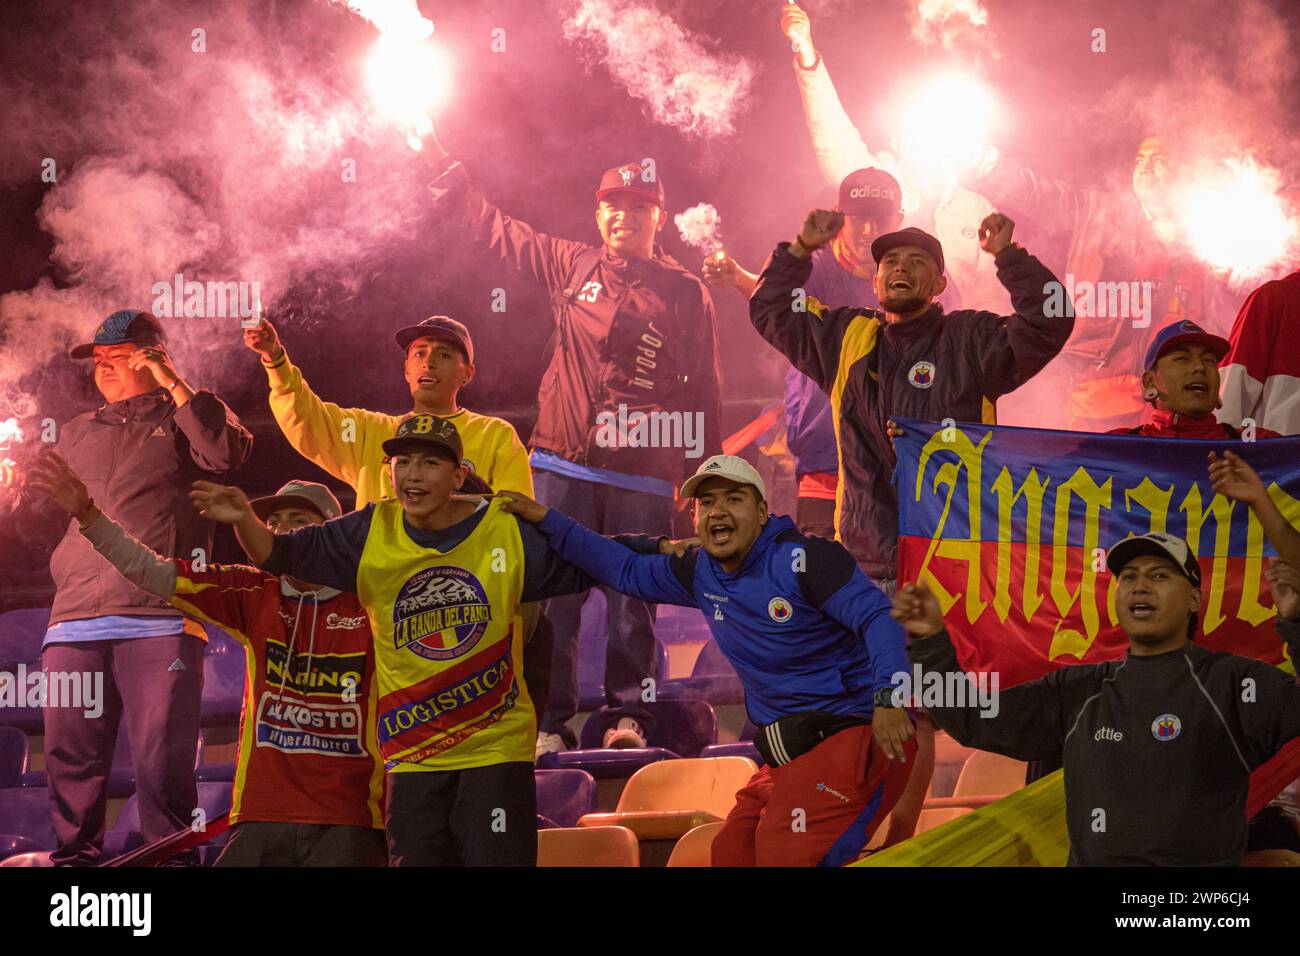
911 236
437 327
628 178
1158 545
428 432
869 193
123 327
1183 333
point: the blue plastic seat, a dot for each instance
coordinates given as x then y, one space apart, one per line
14 756
223 683
712 679
682 728
214 799
21 635
25 812
565 795
591 674
121 776
215 773
743 748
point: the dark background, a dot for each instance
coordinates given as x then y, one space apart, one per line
535 126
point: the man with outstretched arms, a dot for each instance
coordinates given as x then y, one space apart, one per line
442 577
816 651
308 776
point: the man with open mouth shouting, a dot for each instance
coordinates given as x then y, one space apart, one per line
442 577
1159 746
812 640
1181 382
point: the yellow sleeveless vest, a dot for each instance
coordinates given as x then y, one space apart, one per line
448 644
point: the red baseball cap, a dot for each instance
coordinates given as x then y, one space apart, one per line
630 178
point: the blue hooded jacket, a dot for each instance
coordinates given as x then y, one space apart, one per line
803 626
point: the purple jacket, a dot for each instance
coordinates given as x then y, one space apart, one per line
138 458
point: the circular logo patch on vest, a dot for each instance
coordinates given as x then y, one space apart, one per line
779 610
440 614
1166 727
921 374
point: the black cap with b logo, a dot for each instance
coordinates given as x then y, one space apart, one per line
426 433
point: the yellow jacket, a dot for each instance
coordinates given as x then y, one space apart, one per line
347 442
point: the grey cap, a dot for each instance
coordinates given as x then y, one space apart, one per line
311 495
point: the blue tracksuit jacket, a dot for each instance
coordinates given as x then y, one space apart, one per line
804 628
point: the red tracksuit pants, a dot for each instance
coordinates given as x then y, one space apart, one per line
820 809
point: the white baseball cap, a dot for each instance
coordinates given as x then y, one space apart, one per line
725 466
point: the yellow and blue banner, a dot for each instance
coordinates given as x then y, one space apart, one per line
1009 526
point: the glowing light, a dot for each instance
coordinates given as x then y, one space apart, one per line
408 80
1233 218
947 122
9 433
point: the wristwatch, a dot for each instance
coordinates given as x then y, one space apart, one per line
885 697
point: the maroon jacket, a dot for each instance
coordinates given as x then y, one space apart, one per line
633 332
138 458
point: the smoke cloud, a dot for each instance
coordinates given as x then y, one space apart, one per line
701 227
228 147
682 83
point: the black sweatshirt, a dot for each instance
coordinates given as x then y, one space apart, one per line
1157 751
936 366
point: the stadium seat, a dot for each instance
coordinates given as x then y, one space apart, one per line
37 858
21 717
682 729
14 755
121 775
665 800
565 795
12 845
712 679
25 812
589 846
696 847
742 748
215 772
683 726
929 819
21 634
591 677
223 683
989 774
125 836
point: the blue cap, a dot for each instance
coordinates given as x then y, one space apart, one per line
123 327
1183 333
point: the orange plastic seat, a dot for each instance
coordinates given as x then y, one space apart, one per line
667 799
588 846
696 847
929 819
988 774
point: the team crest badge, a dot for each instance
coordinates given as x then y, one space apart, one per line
779 610
627 172
1166 727
440 614
921 374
